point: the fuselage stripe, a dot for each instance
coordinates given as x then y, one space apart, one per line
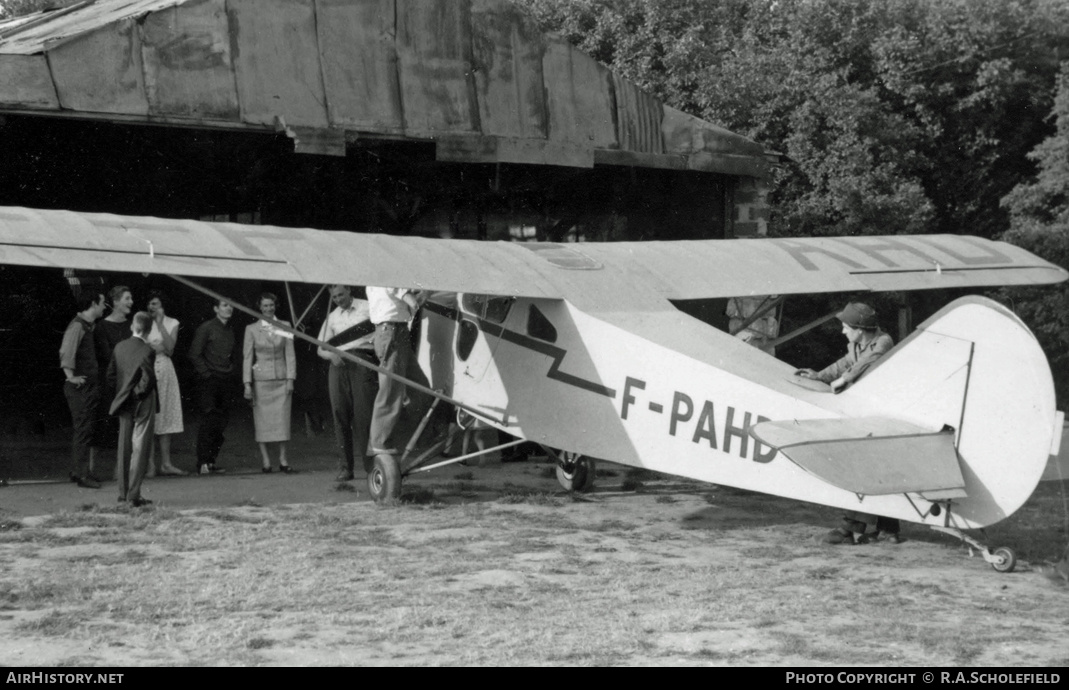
526 342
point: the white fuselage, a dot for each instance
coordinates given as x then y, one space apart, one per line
663 391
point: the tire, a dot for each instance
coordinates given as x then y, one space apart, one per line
384 479
1007 560
576 472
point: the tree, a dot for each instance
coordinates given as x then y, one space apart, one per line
1039 216
17 8
895 116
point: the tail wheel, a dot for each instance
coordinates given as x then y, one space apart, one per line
1005 560
575 472
384 480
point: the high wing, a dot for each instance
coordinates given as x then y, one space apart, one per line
699 269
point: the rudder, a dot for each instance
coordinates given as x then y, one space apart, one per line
975 367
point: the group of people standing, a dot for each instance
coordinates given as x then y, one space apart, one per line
125 362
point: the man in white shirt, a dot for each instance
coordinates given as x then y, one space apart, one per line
351 386
392 310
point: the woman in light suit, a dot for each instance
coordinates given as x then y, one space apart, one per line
270 367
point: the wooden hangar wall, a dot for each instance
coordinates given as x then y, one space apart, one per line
395 187
390 186
430 117
465 93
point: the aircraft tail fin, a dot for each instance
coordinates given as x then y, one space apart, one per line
973 368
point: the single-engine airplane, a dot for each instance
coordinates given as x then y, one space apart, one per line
579 347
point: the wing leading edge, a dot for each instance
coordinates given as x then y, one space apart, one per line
608 272
729 268
107 242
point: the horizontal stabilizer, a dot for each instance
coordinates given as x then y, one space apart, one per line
871 456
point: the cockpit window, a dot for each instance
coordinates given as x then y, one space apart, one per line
538 326
493 309
469 333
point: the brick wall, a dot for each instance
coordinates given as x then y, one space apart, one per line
751 207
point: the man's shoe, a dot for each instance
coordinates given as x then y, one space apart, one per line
286 469
87 483
893 538
344 476
140 502
94 478
211 469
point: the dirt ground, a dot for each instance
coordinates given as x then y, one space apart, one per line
495 566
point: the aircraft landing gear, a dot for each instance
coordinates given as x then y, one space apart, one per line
1003 559
575 472
384 479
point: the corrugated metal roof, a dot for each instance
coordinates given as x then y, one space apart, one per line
474 75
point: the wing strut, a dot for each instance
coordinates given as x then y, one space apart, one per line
767 304
344 355
799 331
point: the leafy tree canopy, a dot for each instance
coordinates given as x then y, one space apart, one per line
1039 219
17 8
895 116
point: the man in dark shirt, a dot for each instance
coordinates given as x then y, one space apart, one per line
212 355
77 358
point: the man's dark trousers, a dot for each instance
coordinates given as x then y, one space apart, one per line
352 398
84 402
135 442
215 395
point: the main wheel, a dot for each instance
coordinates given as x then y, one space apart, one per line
576 472
384 479
1007 560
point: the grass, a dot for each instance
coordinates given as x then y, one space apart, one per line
55 624
419 496
529 578
259 643
537 498
643 475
